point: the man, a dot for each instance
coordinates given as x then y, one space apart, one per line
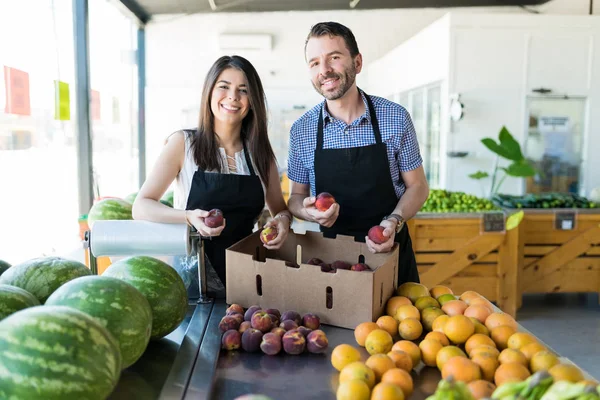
362 149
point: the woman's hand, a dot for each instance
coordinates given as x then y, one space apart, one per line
196 218
282 224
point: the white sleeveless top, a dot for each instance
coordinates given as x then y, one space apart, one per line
183 181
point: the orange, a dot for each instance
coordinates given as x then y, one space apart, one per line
510 372
410 329
358 370
378 341
401 359
439 336
387 391
439 290
429 349
354 389
481 389
362 331
458 329
447 353
543 361
566 372
501 334
487 364
426 302
454 307
379 363
499 319
520 339
479 327
484 349
530 349
411 349
462 369
388 324
429 315
482 302
400 378
477 340
477 311
343 355
439 323
512 355
407 311
395 302
469 295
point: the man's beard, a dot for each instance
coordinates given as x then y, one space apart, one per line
346 80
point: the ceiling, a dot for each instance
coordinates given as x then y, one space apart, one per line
145 9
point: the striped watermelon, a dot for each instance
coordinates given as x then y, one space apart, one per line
117 305
130 198
3 266
13 299
56 353
109 209
162 286
42 276
167 199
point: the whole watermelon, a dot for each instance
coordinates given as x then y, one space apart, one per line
117 305
162 286
13 299
168 198
42 276
3 266
56 353
109 209
130 198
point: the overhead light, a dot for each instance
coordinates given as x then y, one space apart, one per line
354 3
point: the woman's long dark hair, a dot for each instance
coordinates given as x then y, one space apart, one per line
205 145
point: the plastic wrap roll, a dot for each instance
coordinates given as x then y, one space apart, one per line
129 238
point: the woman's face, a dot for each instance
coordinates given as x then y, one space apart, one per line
230 102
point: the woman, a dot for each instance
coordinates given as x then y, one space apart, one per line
227 163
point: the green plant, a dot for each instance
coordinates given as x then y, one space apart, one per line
508 148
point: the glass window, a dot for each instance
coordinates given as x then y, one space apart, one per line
38 154
113 108
554 143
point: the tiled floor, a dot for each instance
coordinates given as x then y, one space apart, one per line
569 324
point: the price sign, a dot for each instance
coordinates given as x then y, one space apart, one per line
493 222
565 220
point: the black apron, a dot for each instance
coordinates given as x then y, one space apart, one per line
240 197
360 180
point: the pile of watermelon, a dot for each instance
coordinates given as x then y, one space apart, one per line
65 333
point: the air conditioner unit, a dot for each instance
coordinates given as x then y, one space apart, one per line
245 41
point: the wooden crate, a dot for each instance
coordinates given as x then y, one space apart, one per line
560 261
451 251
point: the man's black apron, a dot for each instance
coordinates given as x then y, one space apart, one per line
360 180
240 197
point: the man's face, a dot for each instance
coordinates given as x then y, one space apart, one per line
332 69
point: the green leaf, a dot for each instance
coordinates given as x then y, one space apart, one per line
514 220
520 169
496 148
479 175
508 142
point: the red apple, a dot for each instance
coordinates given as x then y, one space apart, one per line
324 201
268 234
214 219
376 234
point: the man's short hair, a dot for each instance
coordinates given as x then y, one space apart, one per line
334 29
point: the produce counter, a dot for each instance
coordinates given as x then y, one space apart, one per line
189 364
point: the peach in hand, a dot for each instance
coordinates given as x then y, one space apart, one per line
214 218
324 201
268 234
376 234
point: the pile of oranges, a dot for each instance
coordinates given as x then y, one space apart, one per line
462 337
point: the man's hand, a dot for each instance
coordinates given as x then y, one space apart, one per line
325 218
389 232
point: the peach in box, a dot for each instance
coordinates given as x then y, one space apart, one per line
214 218
324 201
360 267
376 234
268 234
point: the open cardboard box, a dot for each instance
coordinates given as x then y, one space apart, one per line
257 276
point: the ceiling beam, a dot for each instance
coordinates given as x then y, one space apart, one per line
137 10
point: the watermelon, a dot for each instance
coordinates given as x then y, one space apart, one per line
168 198
13 299
3 266
117 305
56 353
130 198
42 276
109 209
162 286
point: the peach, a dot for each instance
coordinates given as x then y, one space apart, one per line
317 342
324 201
269 233
273 311
262 321
238 317
279 331
315 261
311 321
251 339
376 234
228 322
274 319
304 330
245 326
271 343
340 265
293 315
288 325
231 340
360 267
293 342
235 308
326 268
250 311
214 218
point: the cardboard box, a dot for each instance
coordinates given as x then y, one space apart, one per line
257 276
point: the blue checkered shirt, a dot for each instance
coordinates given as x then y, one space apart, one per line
397 132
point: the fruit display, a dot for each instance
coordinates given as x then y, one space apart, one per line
42 276
479 351
338 264
3 266
13 299
271 332
109 209
544 200
445 201
160 284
